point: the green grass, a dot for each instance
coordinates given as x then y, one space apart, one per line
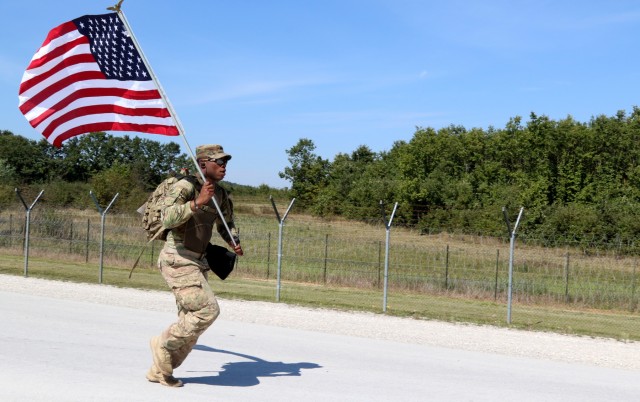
404 304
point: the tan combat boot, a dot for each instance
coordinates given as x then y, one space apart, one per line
161 371
154 375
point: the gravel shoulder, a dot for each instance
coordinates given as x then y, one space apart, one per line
486 339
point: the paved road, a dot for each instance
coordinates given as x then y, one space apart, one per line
68 350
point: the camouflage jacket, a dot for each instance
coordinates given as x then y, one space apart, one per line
193 229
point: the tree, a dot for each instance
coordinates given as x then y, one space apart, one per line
308 172
24 157
7 173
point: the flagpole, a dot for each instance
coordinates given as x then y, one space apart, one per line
174 115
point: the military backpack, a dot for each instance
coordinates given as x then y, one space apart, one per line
151 210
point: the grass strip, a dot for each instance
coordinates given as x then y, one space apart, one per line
418 306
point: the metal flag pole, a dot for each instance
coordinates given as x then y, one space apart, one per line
117 8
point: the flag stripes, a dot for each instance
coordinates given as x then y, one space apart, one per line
87 76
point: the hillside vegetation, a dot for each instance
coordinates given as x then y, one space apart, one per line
578 181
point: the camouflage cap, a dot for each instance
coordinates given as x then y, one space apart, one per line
213 151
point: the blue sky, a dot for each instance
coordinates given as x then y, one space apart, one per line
256 76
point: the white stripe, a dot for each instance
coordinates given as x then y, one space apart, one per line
82 49
103 100
97 84
57 42
110 117
41 86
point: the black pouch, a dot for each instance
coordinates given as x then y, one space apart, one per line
220 260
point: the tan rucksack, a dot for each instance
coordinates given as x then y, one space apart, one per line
151 210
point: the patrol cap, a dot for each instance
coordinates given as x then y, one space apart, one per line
212 151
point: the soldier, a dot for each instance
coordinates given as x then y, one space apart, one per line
190 216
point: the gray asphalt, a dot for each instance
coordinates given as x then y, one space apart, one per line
67 350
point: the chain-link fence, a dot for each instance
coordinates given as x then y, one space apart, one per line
339 254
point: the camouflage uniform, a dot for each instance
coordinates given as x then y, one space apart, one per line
184 268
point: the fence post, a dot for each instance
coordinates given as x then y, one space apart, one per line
512 245
446 268
280 226
326 256
71 237
26 230
268 253
566 279
86 247
379 263
386 252
103 214
495 286
11 230
633 285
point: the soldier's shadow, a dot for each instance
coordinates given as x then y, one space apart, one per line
247 373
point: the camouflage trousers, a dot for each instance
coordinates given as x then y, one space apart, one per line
185 273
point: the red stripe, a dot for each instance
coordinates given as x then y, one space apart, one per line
99 109
58 31
57 86
95 92
111 126
57 52
67 62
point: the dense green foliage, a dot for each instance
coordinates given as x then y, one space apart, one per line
576 180
98 162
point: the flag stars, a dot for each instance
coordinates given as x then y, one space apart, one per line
113 48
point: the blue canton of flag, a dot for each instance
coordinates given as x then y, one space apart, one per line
112 47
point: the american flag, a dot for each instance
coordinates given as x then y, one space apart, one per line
88 76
